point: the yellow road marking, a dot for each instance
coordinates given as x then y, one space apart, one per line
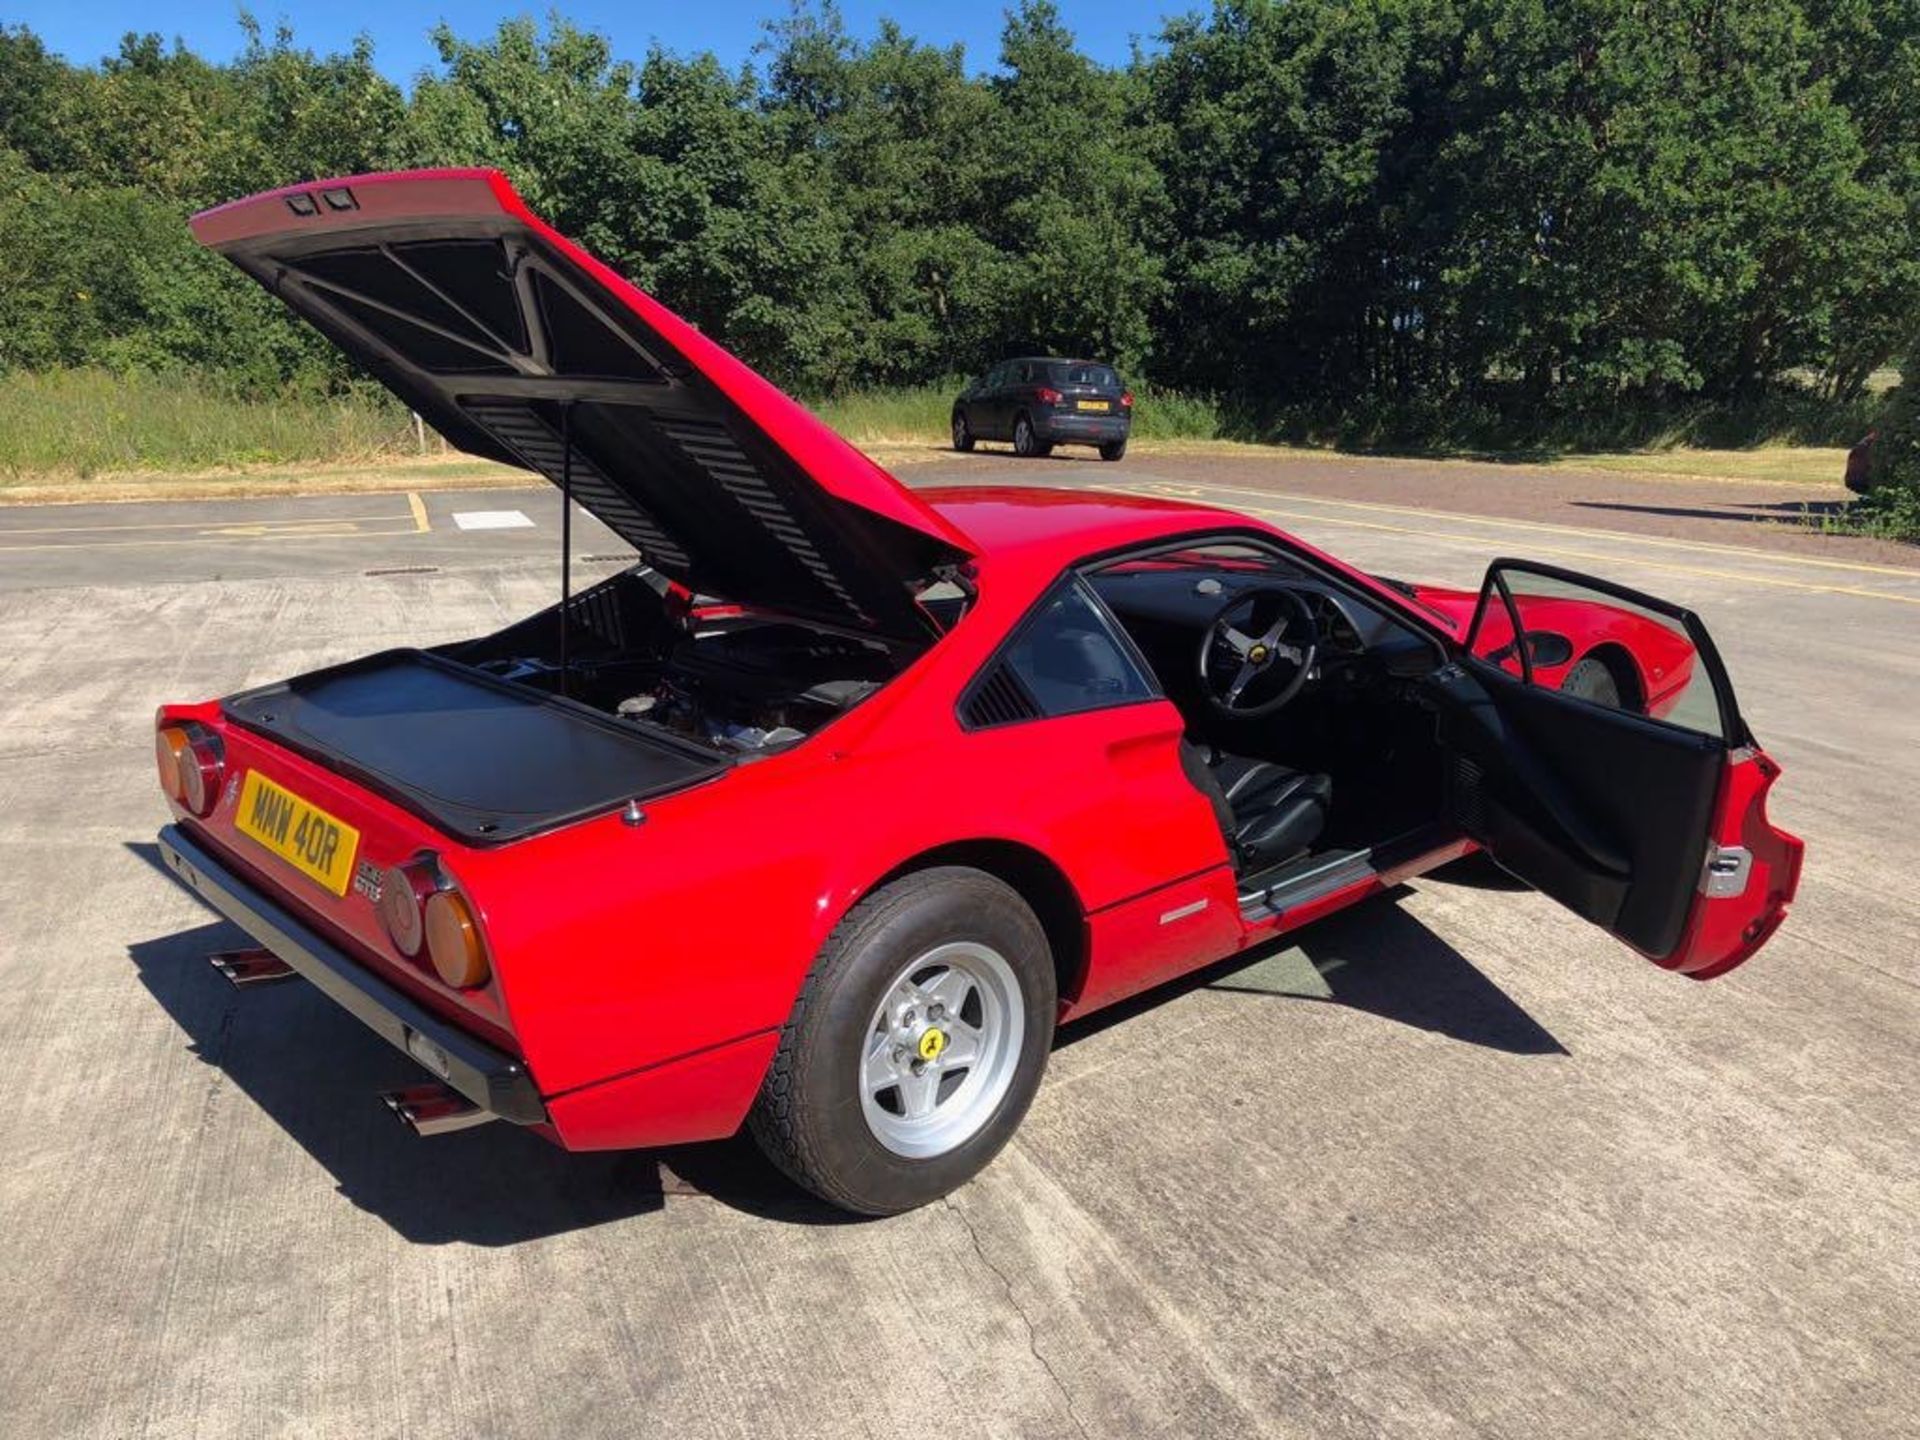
149 544
201 525
1603 559
418 506
1585 532
287 527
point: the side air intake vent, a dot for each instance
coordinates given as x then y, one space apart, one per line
998 699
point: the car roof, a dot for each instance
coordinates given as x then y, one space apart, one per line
1025 535
1053 526
1051 360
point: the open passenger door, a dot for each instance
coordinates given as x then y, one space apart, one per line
1630 790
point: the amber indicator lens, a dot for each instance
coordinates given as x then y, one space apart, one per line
191 761
453 940
169 746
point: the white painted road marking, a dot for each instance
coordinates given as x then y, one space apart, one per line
492 520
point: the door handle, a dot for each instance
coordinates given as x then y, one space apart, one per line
1725 873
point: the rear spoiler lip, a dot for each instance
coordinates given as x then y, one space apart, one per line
386 201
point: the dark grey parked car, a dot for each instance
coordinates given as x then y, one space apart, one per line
1041 401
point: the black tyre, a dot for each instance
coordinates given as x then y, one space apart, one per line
1593 680
962 433
1114 450
916 1044
1026 443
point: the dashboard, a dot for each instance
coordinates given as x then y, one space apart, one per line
1168 609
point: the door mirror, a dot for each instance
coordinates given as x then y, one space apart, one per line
1544 648
1604 644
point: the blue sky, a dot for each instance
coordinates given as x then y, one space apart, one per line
83 32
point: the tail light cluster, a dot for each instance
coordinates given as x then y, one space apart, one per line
1047 396
191 761
428 916
1126 399
425 913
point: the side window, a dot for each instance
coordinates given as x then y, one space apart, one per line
1064 660
1604 644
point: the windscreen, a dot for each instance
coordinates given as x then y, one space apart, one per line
1101 377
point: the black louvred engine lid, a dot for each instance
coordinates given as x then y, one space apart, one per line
519 347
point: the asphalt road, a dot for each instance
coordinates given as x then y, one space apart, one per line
1451 1164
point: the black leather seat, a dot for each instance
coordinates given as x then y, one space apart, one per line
1268 813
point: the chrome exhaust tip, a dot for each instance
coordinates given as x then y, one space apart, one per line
434 1109
241 968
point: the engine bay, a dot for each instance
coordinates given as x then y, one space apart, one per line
736 683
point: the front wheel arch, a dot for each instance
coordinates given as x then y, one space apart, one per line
1626 674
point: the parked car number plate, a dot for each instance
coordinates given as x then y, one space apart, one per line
302 834
1095 404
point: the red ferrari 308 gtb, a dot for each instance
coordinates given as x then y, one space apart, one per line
824 815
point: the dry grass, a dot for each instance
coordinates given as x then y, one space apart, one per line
89 435
76 424
1770 464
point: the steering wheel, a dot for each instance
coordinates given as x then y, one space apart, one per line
1258 651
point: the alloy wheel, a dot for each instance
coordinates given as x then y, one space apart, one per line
941 1049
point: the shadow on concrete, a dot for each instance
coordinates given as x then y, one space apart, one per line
1477 872
1778 512
1001 450
1376 958
317 1072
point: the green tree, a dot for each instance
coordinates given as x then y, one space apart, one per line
1079 197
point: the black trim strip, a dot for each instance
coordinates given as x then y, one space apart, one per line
662 1064
490 1078
1156 889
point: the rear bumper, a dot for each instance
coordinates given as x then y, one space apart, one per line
1070 429
490 1078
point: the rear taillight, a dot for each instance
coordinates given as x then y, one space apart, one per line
428 919
191 761
404 892
1126 399
454 943
169 743
1047 396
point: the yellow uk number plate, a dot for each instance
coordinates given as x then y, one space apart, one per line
303 835
1096 404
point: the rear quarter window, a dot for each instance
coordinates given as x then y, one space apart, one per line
1069 660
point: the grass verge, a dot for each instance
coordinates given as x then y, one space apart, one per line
88 434
1769 464
81 423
